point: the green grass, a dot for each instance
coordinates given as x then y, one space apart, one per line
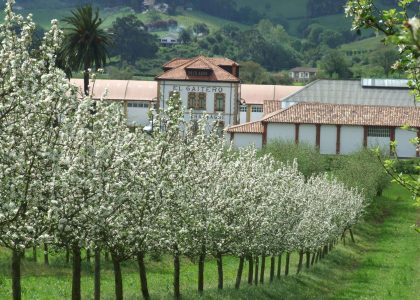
43 16
363 45
274 8
383 264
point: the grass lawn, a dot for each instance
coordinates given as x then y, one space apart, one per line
383 264
371 43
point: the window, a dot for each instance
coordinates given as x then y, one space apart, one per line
219 102
197 101
379 132
244 108
138 104
257 108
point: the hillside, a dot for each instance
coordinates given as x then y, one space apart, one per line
279 11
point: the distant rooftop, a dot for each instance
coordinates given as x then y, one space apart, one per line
388 92
304 69
385 83
258 93
132 90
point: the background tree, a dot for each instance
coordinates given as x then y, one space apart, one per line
85 43
335 65
131 40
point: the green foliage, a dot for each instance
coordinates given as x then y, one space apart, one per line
407 166
334 64
362 170
131 39
308 158
86 41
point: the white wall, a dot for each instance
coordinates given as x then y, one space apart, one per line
242 117
210 88
247 139
277 131
382 142
307 134
328 141
404 147
351 139
137 116
256 116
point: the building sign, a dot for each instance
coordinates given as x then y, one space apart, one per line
192 88
218 117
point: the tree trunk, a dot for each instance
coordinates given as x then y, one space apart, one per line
257 262
201 270
313 258
250 269
117 277
299 268
106 256
34 254
325 250
279 267
351 235
308 259
77 269
262 273
219 271
97 274
343 237
17 290
88 256
86 80
286 271
239 274
46 260
143 277
67 255
272 267
317 256
177 292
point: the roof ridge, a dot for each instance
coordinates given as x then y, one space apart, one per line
304 88
243 124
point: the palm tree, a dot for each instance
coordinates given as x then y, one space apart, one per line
85 43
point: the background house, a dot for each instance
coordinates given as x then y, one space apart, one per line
253 97
303 74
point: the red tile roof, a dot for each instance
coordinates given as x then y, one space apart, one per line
252 127
342 114
178 70
271 106
133 90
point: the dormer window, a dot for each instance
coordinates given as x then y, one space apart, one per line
199 72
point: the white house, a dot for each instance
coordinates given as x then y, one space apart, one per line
138 96
204 84
334 128
303 74
253 97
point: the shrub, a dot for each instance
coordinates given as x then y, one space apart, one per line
407 166
309 160
362 170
